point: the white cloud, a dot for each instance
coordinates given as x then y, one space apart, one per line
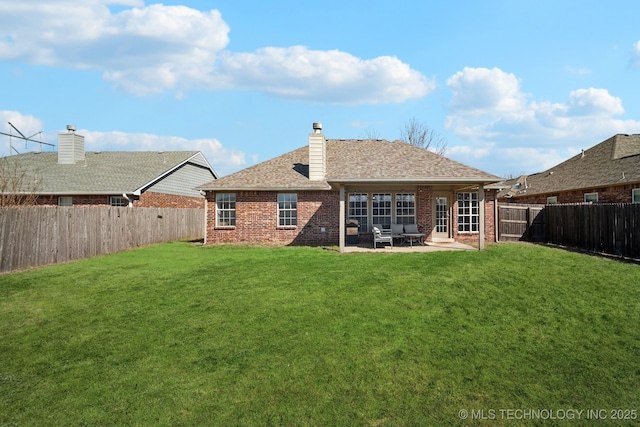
488 105
489 109
150 49
477 90
577 71
28 125
593 103
468 152
333 76
223 160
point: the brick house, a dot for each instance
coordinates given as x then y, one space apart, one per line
308 195
606 173
73 177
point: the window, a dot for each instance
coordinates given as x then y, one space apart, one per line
65 201
287 209
468 212
552 200
405 208
225 209
635 195
381 210
591 197
358 209
118 201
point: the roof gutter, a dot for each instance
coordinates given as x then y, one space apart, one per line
417 181
128 199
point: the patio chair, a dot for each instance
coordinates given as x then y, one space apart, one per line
397 230
380 236
411 228
412 234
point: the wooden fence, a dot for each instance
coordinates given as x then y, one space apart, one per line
36 236
604 228
521 222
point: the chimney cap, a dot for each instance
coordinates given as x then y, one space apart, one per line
71 128
317 127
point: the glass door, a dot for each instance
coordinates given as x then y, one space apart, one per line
441 227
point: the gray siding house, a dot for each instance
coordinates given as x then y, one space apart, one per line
73 177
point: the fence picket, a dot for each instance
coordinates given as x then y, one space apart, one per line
603 228
36 236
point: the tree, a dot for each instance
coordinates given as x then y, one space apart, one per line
371 133
420 135
15 186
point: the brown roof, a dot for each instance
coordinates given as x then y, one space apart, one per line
353 161
615 161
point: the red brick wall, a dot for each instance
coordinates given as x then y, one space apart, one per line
257 219
86 200
147 200
150 199
424 210
489 220
612 194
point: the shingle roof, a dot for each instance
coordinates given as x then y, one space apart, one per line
353 161
615 161
108 172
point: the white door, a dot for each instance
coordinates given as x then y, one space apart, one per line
441 228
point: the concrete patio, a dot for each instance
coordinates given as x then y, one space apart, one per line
428 247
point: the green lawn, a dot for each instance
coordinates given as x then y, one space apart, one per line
179 334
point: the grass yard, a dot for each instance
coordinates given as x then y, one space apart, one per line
179 334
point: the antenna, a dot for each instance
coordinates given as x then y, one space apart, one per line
25 138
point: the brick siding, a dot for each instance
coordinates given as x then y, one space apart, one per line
151 199
489 220
147 200
610 194
257 218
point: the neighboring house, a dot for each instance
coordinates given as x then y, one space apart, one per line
73 177
307 195
606 173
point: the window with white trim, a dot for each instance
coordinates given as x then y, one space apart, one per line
287 209
381 210
591 197
118 201
359 210
552 200
225 209
405 208
65 201
635 195
468 213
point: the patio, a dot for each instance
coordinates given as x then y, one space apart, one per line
428 247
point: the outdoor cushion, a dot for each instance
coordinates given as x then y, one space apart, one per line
397 230
411 228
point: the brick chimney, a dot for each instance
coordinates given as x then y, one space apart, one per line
70 147
317 154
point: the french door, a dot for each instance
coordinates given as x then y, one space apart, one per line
442 227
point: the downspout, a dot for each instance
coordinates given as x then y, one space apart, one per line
496 220
342 219
128 199
481 222
206 215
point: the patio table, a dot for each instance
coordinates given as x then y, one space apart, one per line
417 237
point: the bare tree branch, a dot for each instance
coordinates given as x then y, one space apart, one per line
420 135
16 189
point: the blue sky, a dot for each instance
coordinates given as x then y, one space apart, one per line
514 86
